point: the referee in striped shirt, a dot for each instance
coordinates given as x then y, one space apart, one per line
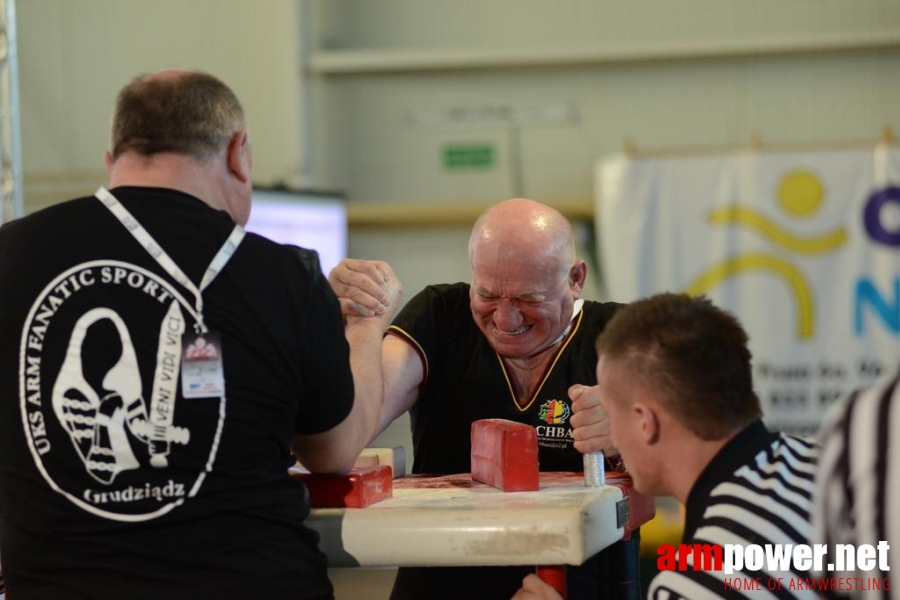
675 378
857 497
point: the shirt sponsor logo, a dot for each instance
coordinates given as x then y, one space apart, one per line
554 412
105 427
556 434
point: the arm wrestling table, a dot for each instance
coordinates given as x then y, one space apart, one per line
455 521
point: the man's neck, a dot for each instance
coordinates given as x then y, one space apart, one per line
687 460
539 359
533 362
168 171
527 373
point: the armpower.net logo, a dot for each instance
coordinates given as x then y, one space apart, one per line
784 566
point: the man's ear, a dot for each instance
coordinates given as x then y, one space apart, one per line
108 161
649 422
239 156
577 276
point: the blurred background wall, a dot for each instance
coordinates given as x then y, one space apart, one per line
423 113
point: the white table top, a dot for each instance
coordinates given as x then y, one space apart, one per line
453 521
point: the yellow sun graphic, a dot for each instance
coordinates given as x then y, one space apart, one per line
800 193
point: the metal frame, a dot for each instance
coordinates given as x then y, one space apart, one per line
12 202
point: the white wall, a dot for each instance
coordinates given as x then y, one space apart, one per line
736 79
75 56
739 78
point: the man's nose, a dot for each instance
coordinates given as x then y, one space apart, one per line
508 317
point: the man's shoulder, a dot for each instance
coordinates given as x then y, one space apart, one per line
598 314
602 307
282 262
437 311
59 208
766 500
61 212
803 447
796 455
786 460
449 290
447 296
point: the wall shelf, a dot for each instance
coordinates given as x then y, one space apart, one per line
350 62
443 214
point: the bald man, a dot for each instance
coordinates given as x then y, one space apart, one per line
517 343
126 471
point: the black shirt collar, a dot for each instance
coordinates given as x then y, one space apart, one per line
154 191
734 454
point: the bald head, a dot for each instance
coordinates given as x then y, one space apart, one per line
522 229
525 278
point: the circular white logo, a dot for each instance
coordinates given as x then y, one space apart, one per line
107 427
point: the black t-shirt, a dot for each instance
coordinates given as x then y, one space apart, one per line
90 342
465 381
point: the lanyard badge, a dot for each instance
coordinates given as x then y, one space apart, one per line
202 373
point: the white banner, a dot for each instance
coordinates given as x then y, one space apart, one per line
804 248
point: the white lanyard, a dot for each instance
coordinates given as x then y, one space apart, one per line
576 308
165 261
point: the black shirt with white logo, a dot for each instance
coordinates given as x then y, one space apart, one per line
113 484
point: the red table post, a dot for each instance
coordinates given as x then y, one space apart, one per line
555 577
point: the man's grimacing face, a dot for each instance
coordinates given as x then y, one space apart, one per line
522 307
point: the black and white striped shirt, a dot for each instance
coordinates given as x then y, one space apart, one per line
756 490
857 496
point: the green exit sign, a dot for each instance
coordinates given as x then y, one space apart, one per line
468 156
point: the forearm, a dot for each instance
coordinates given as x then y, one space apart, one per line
364 336
336 450
357 284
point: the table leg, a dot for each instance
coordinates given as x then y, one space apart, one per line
555 577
